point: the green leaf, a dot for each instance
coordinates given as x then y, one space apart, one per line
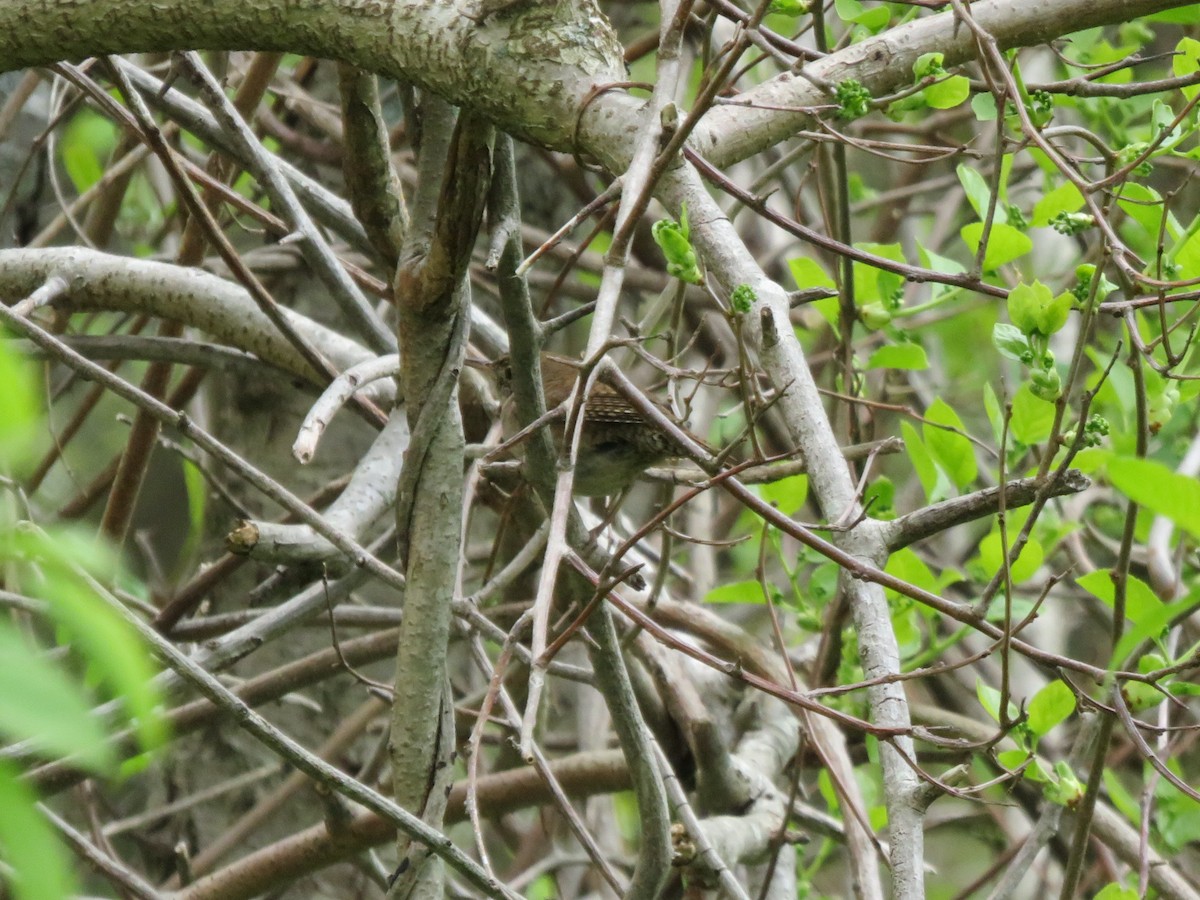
109 645
1150 627
1014 759
1066 790
932 479
899 356
906 564
1026 305
808 273
984 107
544 887
873 19
625 811
789 7
1162 115
929 65
943 264
1126 804
978 193
1186 254
880 497
1011 342
1141 603
40 870
1188 15
872 284
989 699
948 93
1024 567
787 494
1005 243
737 592
672 239
1116 891
822 584
1141 697
995 413
1032 418
1065 198
38 701
88 140
1154 486
1177 819
1145 206
1187 62
953 451
1049 706
19 414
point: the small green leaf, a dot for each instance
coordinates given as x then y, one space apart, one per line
822 584
1066 790
1005 243
808 274
18 409
1024 567
87 142
873 19
787 494
34 859
1150 626
1032 418
1011 342
932 479
907 565
1013 759
1145 206
1141 603
1160 490
872 284
1049 706
984 107
929 65
1186 254
995 414
952 450
111 646
1188 15
978 193
39 701
1034 309
1186 61
948 93
672 239
1140 696
899 356
1065 198
879 498
1126 804
989 699
737 592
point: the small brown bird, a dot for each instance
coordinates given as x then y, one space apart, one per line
617 445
